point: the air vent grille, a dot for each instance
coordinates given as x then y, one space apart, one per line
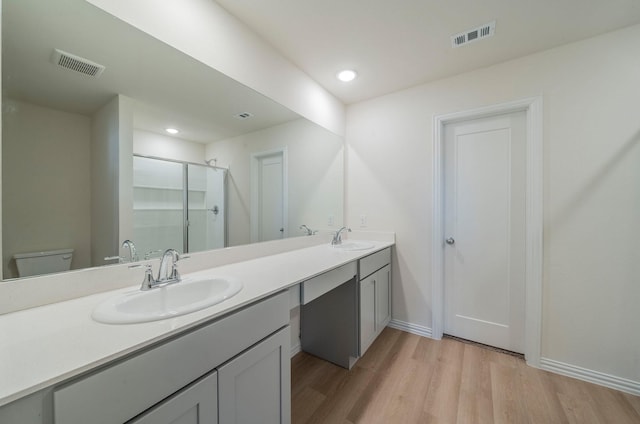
472 35
76 63
243 115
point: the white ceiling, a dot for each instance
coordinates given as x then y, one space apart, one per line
403 43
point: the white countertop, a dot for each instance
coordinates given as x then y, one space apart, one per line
49 344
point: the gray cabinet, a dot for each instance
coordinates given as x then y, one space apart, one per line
367 313
180 381
195 404
328 316
345 309
255 387
252 388
375 296
383 297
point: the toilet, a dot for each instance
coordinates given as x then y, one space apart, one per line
37 263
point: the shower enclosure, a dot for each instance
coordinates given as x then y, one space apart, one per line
178 205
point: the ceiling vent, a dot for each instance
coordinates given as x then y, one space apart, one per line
243 115
76 63
472 35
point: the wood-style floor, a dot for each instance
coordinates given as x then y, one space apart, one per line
405 378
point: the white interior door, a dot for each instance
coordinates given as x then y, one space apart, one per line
271 197
484 202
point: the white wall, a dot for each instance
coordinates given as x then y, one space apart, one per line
208 33
125 169
46 196
590 91
111 178
147 143
315 171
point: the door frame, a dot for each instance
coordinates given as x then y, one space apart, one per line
253 217
534 217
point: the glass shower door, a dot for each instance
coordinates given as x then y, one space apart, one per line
158 206
206 211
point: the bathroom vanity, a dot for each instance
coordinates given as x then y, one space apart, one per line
345 309
219 368
228 363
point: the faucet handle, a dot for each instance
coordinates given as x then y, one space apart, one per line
175 275
174 269
148 282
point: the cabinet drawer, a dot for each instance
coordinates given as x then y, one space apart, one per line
120 392
324 283
372 263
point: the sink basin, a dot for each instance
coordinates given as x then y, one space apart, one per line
353 245
189 295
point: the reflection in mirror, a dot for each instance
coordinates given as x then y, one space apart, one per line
178 204
69 141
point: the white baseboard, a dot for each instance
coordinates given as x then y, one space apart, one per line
295 349
410 328
602 379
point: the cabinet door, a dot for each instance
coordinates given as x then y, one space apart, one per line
255 387
196 404
375 306
383 298
367 312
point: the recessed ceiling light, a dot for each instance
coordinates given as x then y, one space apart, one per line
347 75
172 131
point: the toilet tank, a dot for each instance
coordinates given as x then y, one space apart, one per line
36 263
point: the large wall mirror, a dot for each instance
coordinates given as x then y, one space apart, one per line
87 164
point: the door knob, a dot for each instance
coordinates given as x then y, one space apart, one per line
450 240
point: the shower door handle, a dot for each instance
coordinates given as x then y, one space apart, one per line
450 240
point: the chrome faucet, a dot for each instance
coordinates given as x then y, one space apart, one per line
133 255
308 230
165 276
337 237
